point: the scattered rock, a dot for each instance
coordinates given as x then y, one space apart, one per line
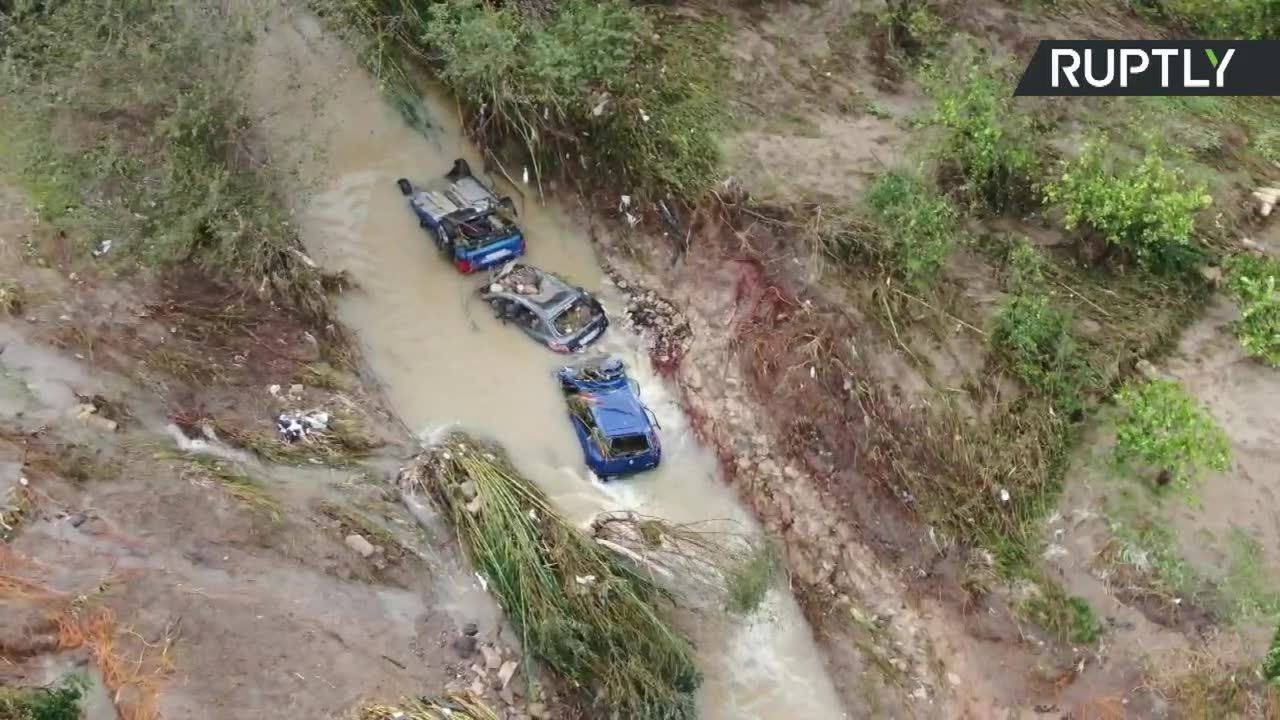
468 490
363 547
1147 370
470 629
1267 199
492 658
88 414
537 711
1212 275
507 670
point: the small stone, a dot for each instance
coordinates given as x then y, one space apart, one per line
473 507
954 679
1212 275
362 547
295 389
537 711
920 694
477 687
468 490
1147 370
492 658
506 671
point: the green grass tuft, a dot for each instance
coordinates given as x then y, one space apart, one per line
126 121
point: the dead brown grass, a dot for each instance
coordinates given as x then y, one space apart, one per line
1215 681
134 681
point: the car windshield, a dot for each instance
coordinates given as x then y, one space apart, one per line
628 445
574 318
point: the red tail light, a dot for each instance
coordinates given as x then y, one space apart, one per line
558 347
463 266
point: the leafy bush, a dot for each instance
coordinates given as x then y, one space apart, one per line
1220 19
987 144
914 227
59 703
1067 616
1034 337
912 26
155 155
1165 428
1271 663
590 83
1254 282
1147 210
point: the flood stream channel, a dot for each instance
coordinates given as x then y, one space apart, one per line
444 360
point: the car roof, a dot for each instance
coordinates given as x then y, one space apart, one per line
554 294
618 411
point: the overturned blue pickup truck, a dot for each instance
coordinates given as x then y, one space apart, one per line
618 434
473 227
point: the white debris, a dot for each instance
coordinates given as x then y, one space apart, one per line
484 584
624 202
585 579
274 390
295 426
1004 495
1267 199
103 248
644 115
632 220
526 176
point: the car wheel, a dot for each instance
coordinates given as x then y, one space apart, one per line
406 187
422 222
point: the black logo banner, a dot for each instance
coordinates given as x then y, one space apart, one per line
1153 67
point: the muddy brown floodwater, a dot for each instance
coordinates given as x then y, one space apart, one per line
444 360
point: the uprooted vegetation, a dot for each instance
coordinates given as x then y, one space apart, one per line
599 623
630 96
61 702
127 124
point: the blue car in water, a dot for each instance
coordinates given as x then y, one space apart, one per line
619 435
470 224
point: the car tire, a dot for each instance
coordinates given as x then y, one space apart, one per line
422 223
406 187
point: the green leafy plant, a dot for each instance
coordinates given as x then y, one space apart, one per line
987 146
914 227
1243 19
1147 210
1165 428
1067 616
1254 282
911 26
588 84
58 703
1271 663
1034 337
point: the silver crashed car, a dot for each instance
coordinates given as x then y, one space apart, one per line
548 309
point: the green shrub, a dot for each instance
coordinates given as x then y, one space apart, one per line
1067 616
1271 663
1147 210
1220 19
1034 337
914 227
1254 282
1165 428
590 83
58 703
987 145
1024 268
911 26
